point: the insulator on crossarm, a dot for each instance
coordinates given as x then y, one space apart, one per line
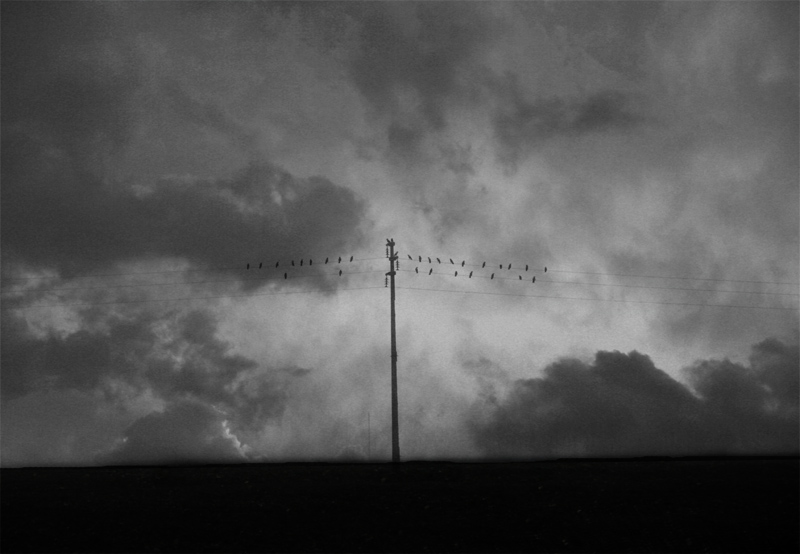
397 265
385 281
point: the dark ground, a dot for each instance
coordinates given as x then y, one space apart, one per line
694 505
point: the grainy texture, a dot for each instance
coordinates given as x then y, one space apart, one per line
728 505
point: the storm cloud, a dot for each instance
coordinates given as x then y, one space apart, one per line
623 405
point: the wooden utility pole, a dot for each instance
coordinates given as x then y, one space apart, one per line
395 427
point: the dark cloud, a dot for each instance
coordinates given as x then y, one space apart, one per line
186 432
73 102
521 124
622 405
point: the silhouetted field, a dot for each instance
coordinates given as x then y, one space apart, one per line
688 505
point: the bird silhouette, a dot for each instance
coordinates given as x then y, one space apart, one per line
545 269
351 258
509 266
310 261
431 271
526 267
429 259
340 273
409 257
470 275
462 263
456 275
416 269
520 277
259 264
292 263
534 279
501 266
340 259
301 263
484 264
451 260
248 266
438 260
284 275
326 260
420 258
492 277
276 263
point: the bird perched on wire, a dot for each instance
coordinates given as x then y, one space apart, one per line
509 266
534 279
276 263
484 264
463 262
526 267
451 261
429 259
431 271
409 257
416 269
340 273
456 275
259 264
492 277
520 277
248 266
340 259
284 275
292 263
438 260
326 260
351 258
301 263
470 275
545 269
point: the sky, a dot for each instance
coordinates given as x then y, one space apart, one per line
645 153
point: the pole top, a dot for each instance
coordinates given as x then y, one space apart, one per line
389 242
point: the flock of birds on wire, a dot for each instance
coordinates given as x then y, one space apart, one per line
310 262
464 263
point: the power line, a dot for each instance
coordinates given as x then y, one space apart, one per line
446 260
205 270
604 299
185 282
613 284
62 305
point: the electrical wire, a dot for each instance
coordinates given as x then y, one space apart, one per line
612 285
603 299
62 305
205 270
276 278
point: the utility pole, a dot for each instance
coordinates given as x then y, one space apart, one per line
395 427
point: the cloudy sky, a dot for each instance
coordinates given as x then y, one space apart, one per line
645 153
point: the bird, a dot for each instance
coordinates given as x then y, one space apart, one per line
438 260
260 264
340 259
451 260
248 266
340 273
431 271
351 258
292 263
456 275
284 275
520 277
429 259
470 275
276 263
409 257
534 279
416 269
301 263
509 266
526 267
492 277
484 264
326 260
420 258
545 269
310 261
501 266
462 263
